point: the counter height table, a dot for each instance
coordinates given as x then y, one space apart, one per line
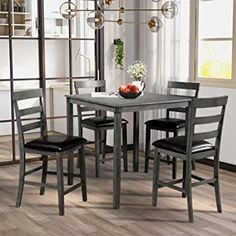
119 105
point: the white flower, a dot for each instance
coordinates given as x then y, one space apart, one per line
137 70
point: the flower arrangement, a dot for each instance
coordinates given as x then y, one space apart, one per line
138 70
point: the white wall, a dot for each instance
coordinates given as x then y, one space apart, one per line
228 148
114 77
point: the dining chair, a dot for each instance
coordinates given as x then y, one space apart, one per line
203 140
99 123
45 145
169 124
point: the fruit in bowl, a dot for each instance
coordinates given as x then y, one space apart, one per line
130 91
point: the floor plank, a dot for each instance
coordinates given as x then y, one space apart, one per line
39 214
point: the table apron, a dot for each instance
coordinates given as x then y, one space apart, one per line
130 108
92 105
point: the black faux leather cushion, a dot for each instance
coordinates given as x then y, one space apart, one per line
101 121
166 124
55 143
178 144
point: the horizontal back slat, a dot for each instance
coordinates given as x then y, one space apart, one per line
86 109
89 84
30 111
31 126
181 110
207 119
27 94
183 85
209 102
194 87
205 135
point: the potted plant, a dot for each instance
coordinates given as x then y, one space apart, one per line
119 54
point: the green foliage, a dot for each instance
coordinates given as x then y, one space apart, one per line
119 54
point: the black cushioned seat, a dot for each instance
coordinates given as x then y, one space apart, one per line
101 121
178 144
55 143
166 124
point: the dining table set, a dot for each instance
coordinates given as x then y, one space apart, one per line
186 143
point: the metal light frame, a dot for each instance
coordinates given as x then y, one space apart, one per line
96 18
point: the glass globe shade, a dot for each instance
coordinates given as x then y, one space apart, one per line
68 10
96 20
104 4
169 9
154 24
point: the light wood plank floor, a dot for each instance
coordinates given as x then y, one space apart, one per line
39 214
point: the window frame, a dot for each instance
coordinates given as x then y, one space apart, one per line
194 44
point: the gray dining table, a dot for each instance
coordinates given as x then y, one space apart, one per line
119 105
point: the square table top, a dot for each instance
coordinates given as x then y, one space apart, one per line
144 102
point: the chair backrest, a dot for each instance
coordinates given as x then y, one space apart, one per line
95 85
207 116
41 124
186 87
90 83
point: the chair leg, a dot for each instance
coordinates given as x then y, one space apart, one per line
125 156
104 147
60 184
188 189
83 174
217 184
70 167
44 174
21 180
174 163
174 168
156 173
147 149
193 165
97 153
168 157
184 177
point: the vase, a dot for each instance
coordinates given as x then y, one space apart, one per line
140 84
138 78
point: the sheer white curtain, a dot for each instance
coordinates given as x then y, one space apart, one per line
165 53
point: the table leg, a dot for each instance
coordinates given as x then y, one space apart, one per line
136 142
117 160
188 167
70 128
69 113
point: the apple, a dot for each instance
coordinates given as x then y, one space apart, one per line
122 88
126 90
129 85
134 89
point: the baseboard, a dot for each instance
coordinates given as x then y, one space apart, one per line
109 149
223 165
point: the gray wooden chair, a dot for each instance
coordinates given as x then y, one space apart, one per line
58 146
168 124
200 148
100 123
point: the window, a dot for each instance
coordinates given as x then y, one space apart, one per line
69 55
215 47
